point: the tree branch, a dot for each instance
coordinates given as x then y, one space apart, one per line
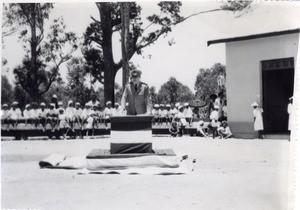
140 46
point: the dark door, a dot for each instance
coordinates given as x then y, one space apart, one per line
278 83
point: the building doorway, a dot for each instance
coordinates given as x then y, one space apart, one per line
278 86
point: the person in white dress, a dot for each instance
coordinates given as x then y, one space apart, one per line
289 110
15 114
155 113
5 116
117 111
214 116
258 119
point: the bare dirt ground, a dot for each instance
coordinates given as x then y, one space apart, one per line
229 174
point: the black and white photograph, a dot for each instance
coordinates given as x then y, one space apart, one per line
141 105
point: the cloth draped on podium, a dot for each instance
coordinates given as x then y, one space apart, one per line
101 161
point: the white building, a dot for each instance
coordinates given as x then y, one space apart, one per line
261 68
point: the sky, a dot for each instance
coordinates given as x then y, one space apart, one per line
190 52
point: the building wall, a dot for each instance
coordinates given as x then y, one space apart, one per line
244 80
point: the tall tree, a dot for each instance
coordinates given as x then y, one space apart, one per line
174 91
207 81
98 36
40 67
76 77
6 91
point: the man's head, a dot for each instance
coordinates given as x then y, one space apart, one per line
135 76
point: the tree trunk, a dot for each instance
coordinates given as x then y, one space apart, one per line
125 9
33 62
108 62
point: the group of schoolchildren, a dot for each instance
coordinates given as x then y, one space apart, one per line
89 117
181 116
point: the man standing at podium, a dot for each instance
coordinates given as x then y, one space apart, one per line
136 93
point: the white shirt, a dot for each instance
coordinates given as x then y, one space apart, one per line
26 114
188 112
69 112
117 111
214 116
155 112
42 113
5 114
108 112
34 113
77 112
15 114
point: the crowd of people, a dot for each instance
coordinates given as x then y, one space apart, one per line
89 116
181 116
92 116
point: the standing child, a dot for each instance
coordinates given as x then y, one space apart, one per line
182 120
42 115
258 119
188 113
214 116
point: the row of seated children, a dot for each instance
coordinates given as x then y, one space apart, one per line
89 117
166 114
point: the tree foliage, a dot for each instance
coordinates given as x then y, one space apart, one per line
76 81
174 91
44 55
6 91
98 48
207 81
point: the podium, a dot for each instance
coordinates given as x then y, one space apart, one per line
131 122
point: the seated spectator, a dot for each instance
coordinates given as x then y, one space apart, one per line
96 115
42 115
173 111
15 114
201 129
94 101
70 114
155 113
182 120
5 116
174 130
214 116
60 105
224 131
62 122
52 117
162 114
108 111
34 114
188 113
26 115
77 113
117 110
196 113
169 116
